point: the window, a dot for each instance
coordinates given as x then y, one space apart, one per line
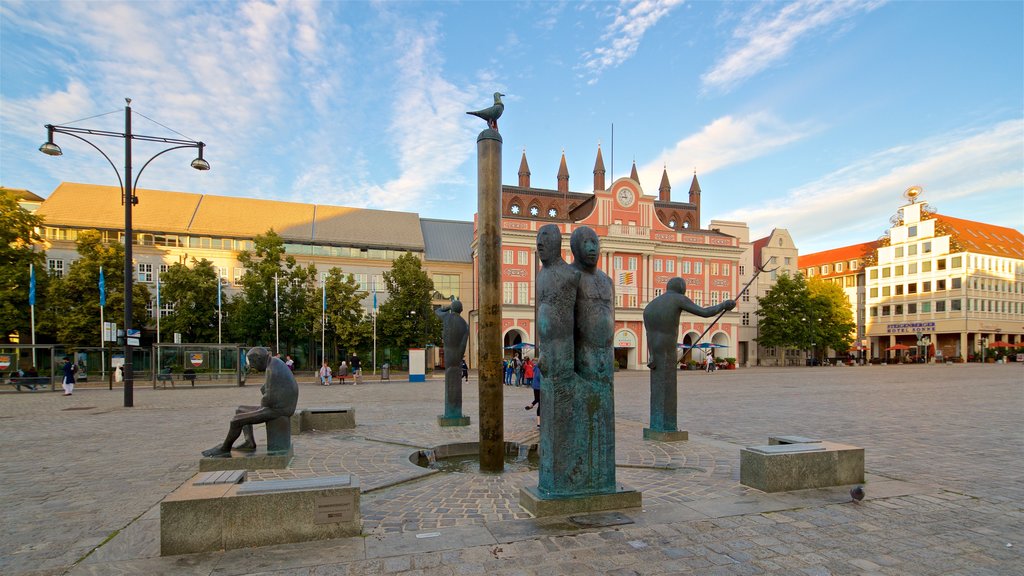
787 260
714 268
912 250
745 319
885 310
912 288
145 272
912 231
926 307
825 269
940 285
361 281
714 297
926 247
632 262
810 272
940 264
956 262
618 263
954 305
166 309
912 308
237 278
725 269
874 292
874 311
899 310
670 265
873 274
698 267
684 267
524 257
657 265
447 285
742 269
56 267
658 292
725 295
524 292
746 296
940 305
926 286
899 252
698 298
886 291
899 270
886 272
899 289
839 267
926 266
507 256
507 292
956 283
854 265
912 268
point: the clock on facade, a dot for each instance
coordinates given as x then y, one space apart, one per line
625 197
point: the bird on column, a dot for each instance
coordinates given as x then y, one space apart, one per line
491 115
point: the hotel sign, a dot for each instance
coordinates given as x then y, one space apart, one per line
910 327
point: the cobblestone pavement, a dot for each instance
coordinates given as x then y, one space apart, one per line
81 478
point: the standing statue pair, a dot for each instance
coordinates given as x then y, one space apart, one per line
455 335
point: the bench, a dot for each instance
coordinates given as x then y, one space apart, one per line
323 418
201 516
784 466
33 383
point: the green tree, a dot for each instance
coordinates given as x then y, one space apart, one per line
836 330
72 313
348 326
19 247
407 319
783 313
192 293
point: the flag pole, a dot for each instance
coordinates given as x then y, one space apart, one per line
374 314
323 320
157 308
277 320
103 303
220 353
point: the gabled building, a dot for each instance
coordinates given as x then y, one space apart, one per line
645 241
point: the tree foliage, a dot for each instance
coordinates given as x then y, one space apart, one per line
805 314
72 312
347 324
192 292
407 319
837 327
19 247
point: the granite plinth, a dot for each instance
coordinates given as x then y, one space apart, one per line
531 500
783 467
458 421
329 418
208 518
260 459
772 440
666 436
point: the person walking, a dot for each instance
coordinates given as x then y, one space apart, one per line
528 372
535 384
709 364
289 362
517 369
357 372
69 370
465 371
507 366
342 371
325 374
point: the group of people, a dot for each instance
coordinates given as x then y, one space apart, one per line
352 367
518 371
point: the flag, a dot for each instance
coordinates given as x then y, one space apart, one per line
375 300
103 289
31 285
218 290
324 286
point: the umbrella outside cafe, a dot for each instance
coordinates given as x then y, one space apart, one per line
1000 344
898 347
520 346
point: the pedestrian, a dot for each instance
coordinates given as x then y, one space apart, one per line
342 371
289 362
507 364
69 370
357 372
528 372
325 374
465 371
709 364
517 369
535 384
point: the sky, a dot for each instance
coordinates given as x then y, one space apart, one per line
810 116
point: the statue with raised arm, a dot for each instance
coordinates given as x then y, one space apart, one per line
280 396
557 283
661 321
455 335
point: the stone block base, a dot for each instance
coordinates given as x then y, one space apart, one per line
207 518
530 499
783 467
460 421
261 459
676 436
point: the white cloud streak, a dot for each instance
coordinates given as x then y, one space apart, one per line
858 199
622 37
765 38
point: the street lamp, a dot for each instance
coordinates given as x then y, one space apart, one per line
129 199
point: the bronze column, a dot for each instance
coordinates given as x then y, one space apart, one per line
492 411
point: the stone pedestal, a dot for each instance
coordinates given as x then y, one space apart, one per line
783 467
459 421
530 499
663 436
260 459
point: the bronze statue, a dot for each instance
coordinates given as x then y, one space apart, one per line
455 335
661 321
280 396
491 115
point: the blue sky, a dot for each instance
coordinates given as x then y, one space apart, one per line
810 116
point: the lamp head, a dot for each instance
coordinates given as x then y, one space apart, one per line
199 163
49 148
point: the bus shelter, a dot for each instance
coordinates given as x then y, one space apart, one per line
17 360
202 364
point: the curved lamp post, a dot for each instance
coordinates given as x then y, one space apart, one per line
129 199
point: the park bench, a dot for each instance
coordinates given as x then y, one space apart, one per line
33 383
210 513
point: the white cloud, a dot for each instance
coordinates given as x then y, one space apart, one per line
724 142
766 37
622 37
858 199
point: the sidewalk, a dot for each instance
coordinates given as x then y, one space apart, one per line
83 477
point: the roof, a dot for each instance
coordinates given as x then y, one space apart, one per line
93 206
981 238
843 254
22 194
447 240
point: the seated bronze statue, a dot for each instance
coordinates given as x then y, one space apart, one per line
280 396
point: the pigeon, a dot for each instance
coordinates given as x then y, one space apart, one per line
491 115
857 493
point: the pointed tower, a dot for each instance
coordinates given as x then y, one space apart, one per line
563 176
633 174
695 196
599 171
524 172
665 190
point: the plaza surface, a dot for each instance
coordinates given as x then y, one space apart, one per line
81 479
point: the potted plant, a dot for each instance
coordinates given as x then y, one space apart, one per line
691 365
731 362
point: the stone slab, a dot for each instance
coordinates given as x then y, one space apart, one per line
221 477
460 421
530 499
289 485
791 440
328 418
260 459
785 467
661 436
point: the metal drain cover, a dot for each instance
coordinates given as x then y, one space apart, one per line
601 519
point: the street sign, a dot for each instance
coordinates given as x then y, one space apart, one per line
133 336
5 362
196 358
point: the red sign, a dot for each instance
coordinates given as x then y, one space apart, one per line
196 358
5 362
